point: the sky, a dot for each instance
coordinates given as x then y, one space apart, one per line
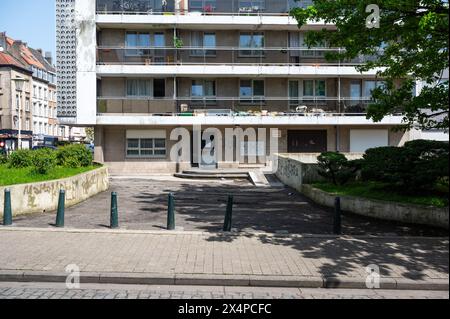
32 21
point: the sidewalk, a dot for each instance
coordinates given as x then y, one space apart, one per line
194 258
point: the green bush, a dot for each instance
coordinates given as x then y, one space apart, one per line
3 158
21 159
44 160
418 166
74 156
336 168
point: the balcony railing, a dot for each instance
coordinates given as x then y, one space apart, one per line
135 7
233 106
201 7
219 56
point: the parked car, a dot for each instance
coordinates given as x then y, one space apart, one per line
35 148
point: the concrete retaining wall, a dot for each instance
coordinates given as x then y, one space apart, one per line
43 196
407 213
294 173
295 170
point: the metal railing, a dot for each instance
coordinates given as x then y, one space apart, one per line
202 7
233 106
220 56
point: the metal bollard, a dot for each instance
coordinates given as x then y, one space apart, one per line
229 215
114 211
7 211
337 217
61 209
171 213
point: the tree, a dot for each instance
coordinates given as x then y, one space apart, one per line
410 44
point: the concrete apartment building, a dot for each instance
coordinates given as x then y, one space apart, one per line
136 70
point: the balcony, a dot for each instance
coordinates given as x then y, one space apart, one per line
201 7
233 106
219 56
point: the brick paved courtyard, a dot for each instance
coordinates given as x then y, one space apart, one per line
201 205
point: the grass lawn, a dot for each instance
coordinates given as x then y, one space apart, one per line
383 192
12 176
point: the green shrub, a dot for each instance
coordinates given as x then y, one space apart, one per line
3 158
44 160
74 156
418 166
21 159
336 168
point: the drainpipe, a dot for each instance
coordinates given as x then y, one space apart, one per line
338 138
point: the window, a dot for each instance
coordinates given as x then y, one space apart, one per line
137 40
369 86
139 88
202 5
143 41
355 92
297 40
300 4
203 40
203 90
314 88
34 91
27 125
159 88
27 105
146 147
294 92
252 91
251 40
17 102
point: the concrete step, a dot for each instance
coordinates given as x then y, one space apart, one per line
215 172
212 176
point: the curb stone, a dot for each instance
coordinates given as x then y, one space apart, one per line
224 280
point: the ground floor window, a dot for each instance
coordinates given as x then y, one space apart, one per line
146 143
146 147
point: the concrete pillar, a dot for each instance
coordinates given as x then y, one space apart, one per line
99 142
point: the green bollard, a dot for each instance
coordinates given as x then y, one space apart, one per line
229 215
7 211
114 211
171 213
61 209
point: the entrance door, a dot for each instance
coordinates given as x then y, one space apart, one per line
207 147
307 141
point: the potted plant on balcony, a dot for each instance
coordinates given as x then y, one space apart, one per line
208 9
177 43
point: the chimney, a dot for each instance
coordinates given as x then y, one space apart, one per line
40 51
48 57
